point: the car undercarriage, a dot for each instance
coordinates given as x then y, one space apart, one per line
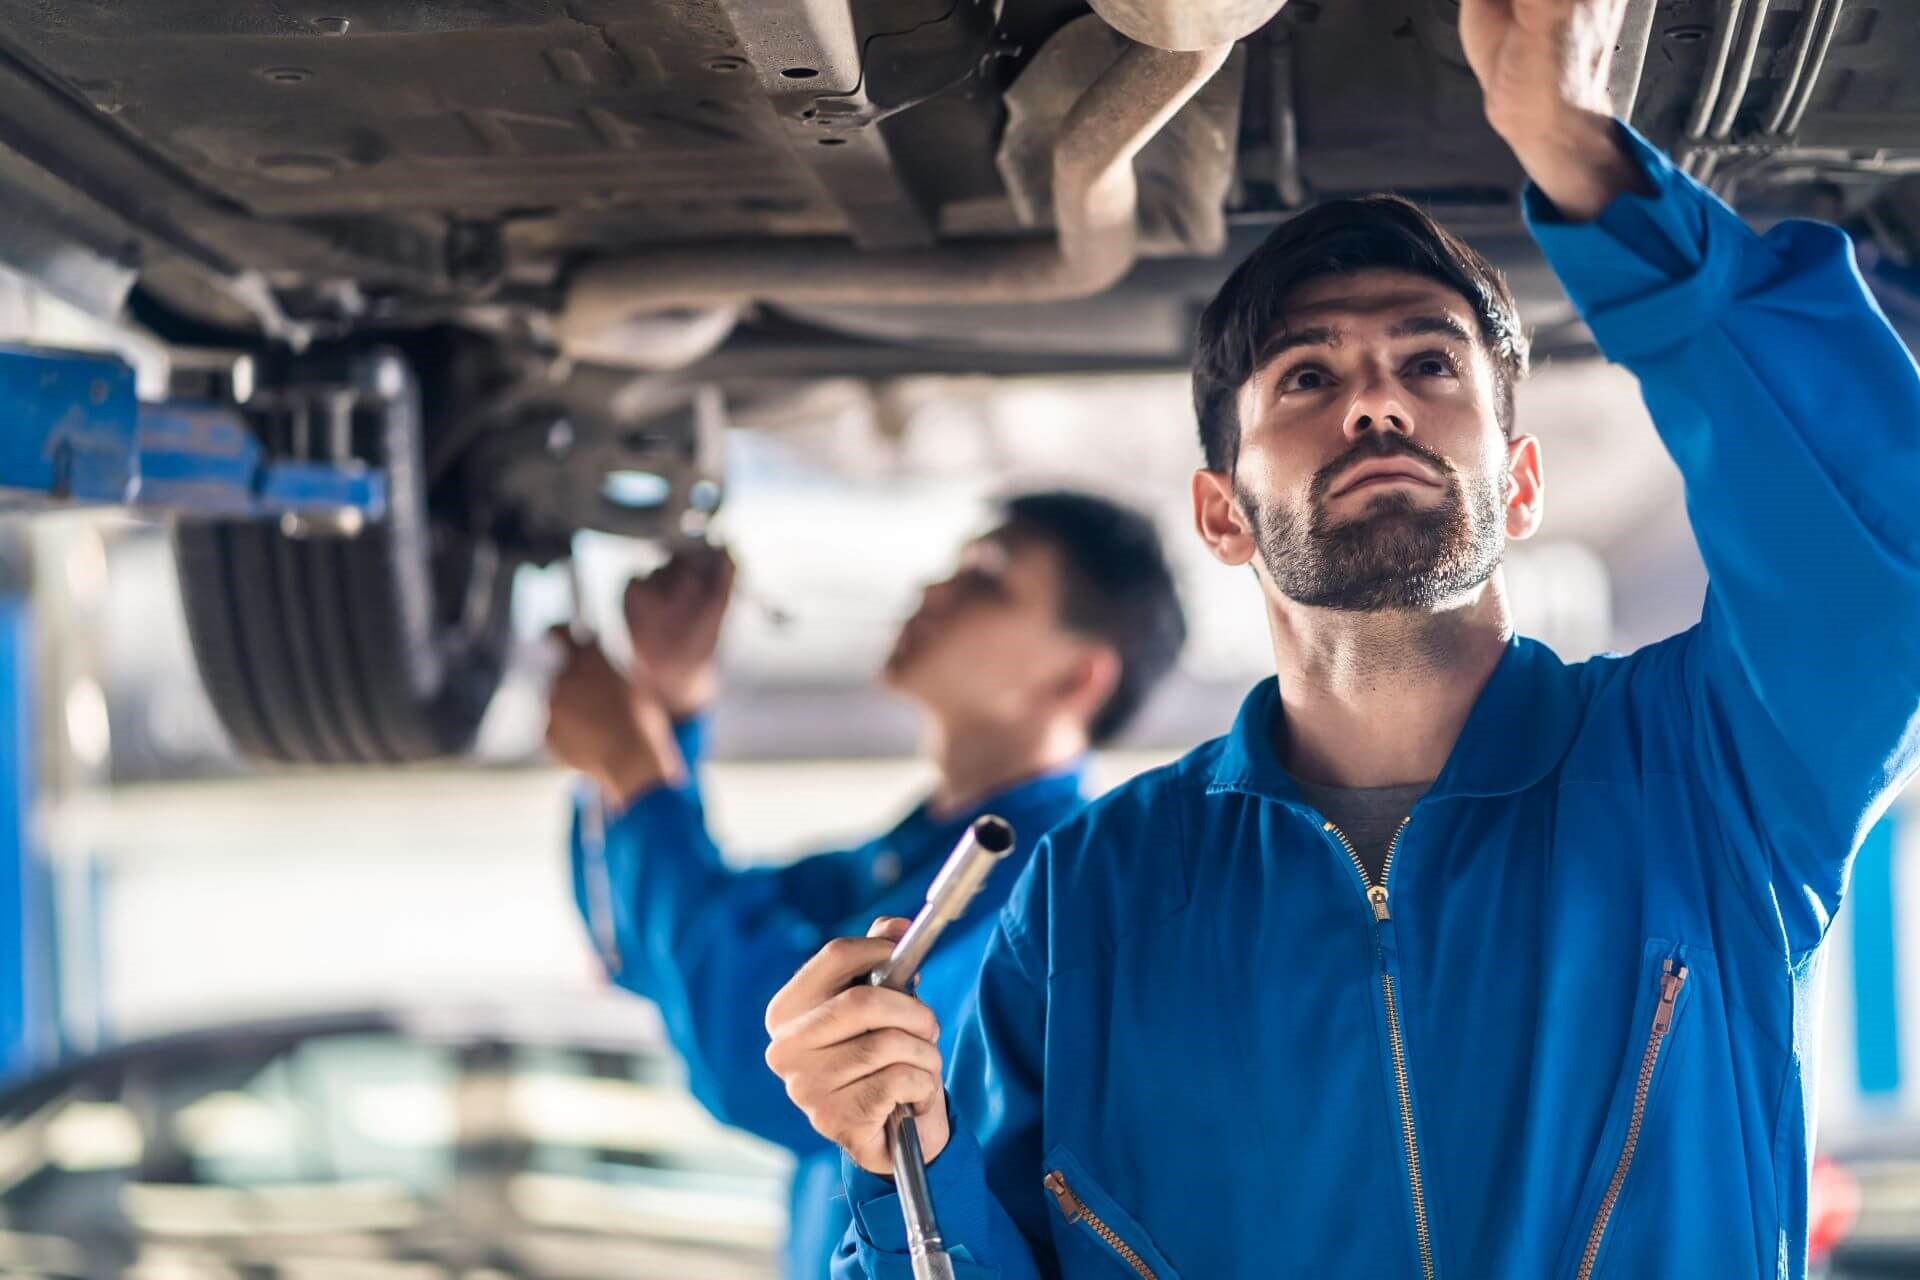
585 228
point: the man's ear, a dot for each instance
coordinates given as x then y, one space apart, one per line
1218 519
1090 681
1526 487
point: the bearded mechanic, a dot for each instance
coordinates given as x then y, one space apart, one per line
1452 959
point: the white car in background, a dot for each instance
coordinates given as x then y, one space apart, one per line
549 1140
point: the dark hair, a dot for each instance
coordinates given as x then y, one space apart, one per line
1339 238
1116 588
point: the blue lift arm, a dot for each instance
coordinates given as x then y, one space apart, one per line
72 429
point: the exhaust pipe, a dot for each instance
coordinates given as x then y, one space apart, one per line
1185 24
1095 199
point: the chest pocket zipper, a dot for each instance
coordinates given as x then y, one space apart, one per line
1673 977
1075 1211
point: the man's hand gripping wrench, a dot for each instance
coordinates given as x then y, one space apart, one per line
987 841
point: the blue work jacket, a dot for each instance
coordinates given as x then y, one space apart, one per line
711 944
1571 1035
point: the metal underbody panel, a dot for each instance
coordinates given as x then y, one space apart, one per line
536 129
447 149
250 173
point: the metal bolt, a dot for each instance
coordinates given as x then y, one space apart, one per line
340 522
386 375
244 379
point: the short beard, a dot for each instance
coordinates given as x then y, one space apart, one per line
1394 555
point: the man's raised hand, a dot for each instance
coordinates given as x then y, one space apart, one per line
614 731
674 616
1544 67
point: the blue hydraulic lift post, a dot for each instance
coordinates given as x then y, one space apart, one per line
26 1021
74 431
1877 1002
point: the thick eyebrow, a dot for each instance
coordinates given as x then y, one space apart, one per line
1438 325
1279 344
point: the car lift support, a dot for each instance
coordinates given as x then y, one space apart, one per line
73 431
25 965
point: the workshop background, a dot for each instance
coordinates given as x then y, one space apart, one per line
335 980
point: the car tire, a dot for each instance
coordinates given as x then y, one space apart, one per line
380 648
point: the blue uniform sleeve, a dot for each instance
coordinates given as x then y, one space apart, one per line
1793 412
986 1184
711 945
690 735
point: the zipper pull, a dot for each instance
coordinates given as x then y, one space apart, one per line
1377 895
1672 978
1070 1204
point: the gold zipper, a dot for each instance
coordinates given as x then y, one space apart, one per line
1377 899
1075 1209
1672 978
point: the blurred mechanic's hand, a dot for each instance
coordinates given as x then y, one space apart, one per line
1543 67
849 1053
674 616
614 731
